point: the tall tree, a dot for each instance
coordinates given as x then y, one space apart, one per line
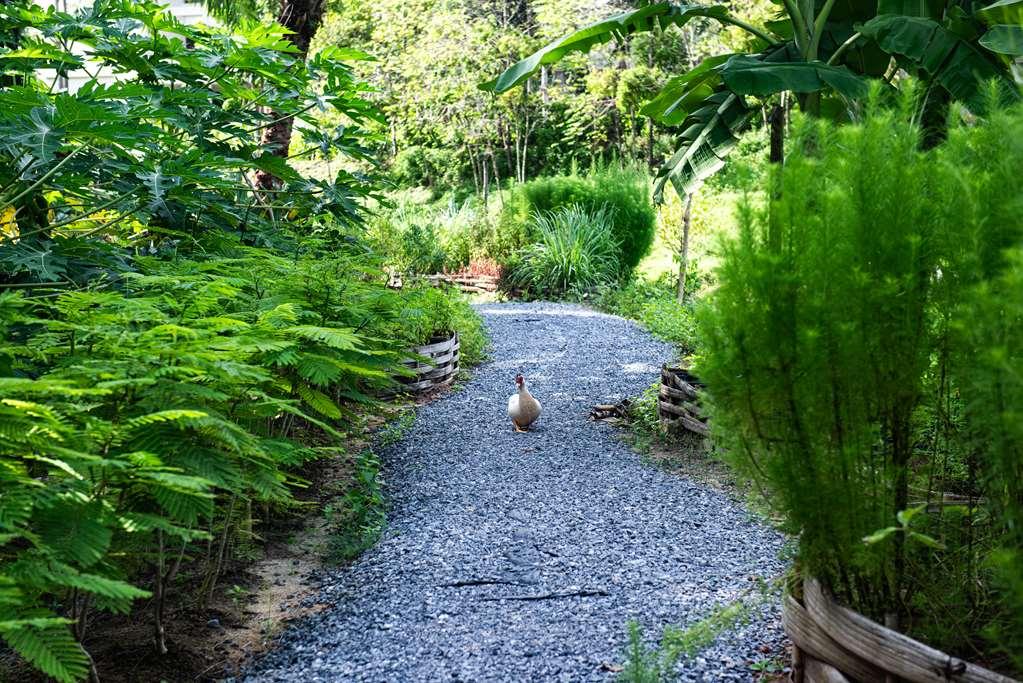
823 52
303 19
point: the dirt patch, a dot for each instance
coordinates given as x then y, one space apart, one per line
695 464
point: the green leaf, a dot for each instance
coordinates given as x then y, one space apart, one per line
318 401
905 517
184 417
932 9
317 369
53 650
681 95
881 535
335 337
72 531
646 18
955 64
1004 39
1002 12
927 540
40 135
751 76
710 135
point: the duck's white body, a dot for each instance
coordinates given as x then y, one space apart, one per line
523 408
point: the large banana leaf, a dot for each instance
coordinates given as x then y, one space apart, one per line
760 76
711 132
660 14
1004 39
1002 12
923 44
683 94
747 75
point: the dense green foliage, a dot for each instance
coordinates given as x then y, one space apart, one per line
954 49
444 133
624 194
655 306
574 250
174 345
417 236
836 353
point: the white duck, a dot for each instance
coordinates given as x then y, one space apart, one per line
523 408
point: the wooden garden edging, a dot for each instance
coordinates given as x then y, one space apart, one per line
679 400
470 284
436 365
836 644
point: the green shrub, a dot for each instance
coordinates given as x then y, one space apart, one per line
426 311
420 237
466 233
992 333
827 336
623 191
430 167
408 239
574 250
654 305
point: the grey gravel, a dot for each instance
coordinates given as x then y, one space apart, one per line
515 557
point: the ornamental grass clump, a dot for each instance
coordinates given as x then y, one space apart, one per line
574 250
856 315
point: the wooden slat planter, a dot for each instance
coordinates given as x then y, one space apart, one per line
470 284
837 644
441 370
679 401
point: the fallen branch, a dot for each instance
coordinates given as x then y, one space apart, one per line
477 582
552 596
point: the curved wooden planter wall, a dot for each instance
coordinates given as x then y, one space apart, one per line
443 355
679 401
834 644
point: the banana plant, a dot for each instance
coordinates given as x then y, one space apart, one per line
825 52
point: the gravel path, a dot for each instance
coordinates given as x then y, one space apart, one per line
515 557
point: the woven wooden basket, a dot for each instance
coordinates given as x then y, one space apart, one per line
440 369
679 401
834 644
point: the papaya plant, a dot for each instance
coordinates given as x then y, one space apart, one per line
169 156
824 52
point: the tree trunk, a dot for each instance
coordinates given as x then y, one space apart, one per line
303 17
486 182
683 261
497 180
158 598
650 143
777 159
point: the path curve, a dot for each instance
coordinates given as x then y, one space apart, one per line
483 522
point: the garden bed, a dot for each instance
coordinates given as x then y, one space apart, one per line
835 644
679 401
435 364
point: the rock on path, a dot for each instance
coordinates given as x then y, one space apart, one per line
520 557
